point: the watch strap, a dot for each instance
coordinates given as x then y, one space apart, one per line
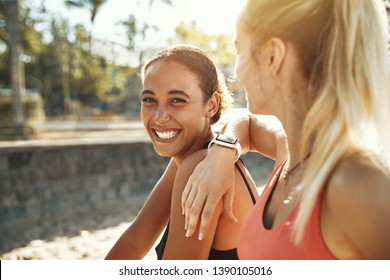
236 146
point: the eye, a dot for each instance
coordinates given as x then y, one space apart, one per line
178 100
148 100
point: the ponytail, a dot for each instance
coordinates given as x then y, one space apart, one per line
351 108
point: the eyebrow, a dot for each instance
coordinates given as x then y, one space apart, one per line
172 91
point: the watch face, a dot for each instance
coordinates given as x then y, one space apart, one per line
227 139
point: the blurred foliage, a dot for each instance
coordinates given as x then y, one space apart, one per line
32 105
136 31
76 82
219 46
92 5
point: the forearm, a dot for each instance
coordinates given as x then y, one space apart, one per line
141 235
266 136
257 133
128 248
239 128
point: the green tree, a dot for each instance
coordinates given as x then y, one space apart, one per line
92 5
4 62
16 65
219 46
32 43
136 31
60 31
91 74
168 2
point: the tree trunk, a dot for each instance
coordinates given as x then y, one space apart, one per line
64 61
16 66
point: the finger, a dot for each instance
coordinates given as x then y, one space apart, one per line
194 213
185 194
227 200
188 205
207 214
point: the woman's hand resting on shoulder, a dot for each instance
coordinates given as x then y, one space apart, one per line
211 180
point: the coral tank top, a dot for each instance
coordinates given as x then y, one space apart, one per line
259 243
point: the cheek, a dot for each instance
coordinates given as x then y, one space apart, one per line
145 115
194 119
238 68
142 113
243 68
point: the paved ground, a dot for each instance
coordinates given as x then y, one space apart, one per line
82 235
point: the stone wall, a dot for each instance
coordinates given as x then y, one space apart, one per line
40 181
53 178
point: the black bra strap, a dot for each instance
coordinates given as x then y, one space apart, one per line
246 181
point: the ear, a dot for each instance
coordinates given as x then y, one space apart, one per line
276 53
212 105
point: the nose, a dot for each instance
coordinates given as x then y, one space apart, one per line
161 115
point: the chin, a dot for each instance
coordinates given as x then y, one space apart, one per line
161 152
164 155
253 110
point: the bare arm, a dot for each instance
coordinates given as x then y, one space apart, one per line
178 246
141 235
212 178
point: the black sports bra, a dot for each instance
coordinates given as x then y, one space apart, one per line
214 254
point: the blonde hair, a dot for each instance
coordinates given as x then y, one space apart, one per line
343 51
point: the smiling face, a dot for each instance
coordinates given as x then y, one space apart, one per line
173 109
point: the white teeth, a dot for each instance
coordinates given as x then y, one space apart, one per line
166 135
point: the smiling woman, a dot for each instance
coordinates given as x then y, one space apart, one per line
183 95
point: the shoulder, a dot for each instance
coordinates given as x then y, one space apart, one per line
357 197
188 165
359 186
193 159
359 178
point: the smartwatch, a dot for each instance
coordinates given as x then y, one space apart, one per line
228 142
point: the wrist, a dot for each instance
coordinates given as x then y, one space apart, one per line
222 155
227 144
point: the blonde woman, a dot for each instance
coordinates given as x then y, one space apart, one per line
322 71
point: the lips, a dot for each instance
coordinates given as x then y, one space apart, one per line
166 134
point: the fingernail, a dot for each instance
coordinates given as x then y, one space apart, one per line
187 234
200 237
